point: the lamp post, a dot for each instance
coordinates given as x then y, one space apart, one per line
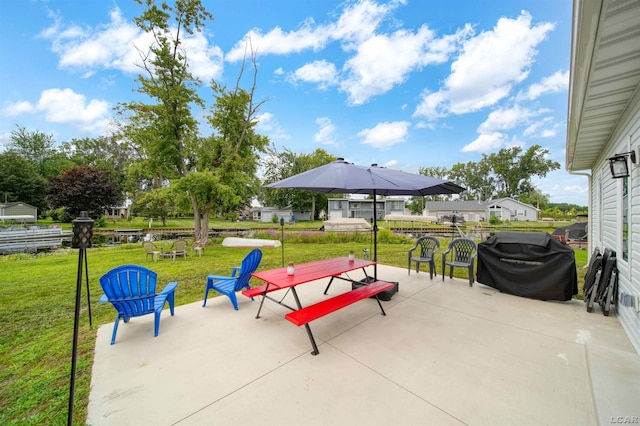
82 235
282 238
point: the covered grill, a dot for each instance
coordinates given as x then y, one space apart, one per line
528 264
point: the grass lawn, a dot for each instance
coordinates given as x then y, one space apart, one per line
37 296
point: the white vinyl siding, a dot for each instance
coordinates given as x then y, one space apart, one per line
607 218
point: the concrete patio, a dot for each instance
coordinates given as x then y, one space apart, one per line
445 354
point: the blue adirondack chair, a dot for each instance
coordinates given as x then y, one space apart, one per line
131 289
238 280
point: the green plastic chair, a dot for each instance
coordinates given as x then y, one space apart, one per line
461 253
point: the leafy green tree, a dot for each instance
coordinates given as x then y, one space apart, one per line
161 129
39 149
20 180
83 188
476 177
281 165
436 172
513 169
158 202
535 198
217 173
108 154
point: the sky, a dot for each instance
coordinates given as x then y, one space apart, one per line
402 83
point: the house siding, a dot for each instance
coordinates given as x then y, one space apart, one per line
607 219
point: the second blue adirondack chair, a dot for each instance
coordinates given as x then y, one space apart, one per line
238 280
131 289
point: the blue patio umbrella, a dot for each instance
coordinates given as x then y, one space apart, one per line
341 177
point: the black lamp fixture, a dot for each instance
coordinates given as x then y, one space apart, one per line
618 164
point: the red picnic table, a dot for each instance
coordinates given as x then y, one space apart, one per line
279 279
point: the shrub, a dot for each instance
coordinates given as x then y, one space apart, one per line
100 222
495 220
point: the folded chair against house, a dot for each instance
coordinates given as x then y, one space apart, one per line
131 289
428 247
238 280
461 253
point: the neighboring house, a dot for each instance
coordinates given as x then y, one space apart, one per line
474 211
354 209
513 210
18 212
265 214
604 121
121 212
477 211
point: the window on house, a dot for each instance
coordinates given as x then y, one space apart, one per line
625 218
521 212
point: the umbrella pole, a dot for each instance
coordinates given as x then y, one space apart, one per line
375 237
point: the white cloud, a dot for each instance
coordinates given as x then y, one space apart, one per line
535 128
18 108
356 23
385 135
492 132
359 21
279 42
486 142
384 61
391 164
5 141
115 46
507 118
425 125
381 61
548 133
66 106
205 61
327 133
555 83
323 73
487 69
267 123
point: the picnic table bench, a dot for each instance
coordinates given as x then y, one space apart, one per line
278 279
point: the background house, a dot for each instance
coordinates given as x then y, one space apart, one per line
339 208
119 212
604 121
265 214
18 212
477 211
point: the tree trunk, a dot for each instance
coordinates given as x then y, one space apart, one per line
196 217
204 229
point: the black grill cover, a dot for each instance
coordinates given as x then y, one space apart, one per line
528 264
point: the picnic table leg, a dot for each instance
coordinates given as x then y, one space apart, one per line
264 295
328 285
380 304
306 326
